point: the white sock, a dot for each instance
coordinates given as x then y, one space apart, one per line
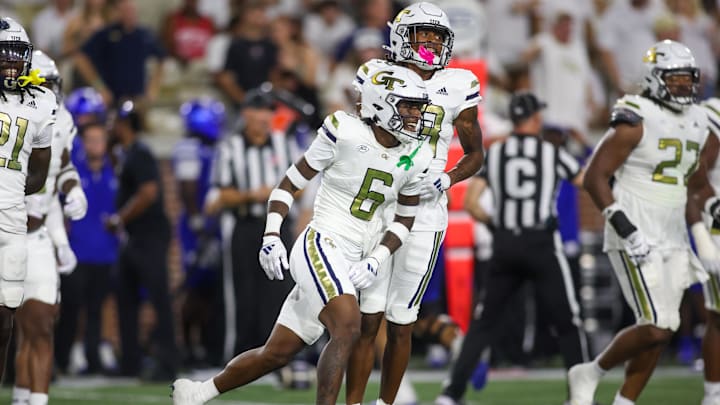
621 400
380 402
711 388
208 390
22 395
599 371
37 398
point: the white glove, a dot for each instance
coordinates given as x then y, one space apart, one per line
66 259
273 257
706 250
434 185
363 273
637 248
75 204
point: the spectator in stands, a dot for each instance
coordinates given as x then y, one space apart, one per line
94 15
374 14
49 25
560 73
114 59
509 29
339 93
247 167
186 32
299 66
326 26
95 248
701 34
627 31
252 56
143 258
220 11
217 47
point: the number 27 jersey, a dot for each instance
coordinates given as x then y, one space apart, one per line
24 126
361 178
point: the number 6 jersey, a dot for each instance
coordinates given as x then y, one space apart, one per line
361 178
25 125
651 185
451 91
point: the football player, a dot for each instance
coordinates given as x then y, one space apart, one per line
421 39
27 117
368 164
703 188
650 150
46 240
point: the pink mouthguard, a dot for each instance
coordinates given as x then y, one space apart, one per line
427 55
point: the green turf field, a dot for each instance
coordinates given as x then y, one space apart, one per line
663 390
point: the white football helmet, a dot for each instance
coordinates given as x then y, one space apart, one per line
15 52
381 93
402 36
49 71
664 59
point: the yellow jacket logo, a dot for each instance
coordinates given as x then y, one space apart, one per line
384 77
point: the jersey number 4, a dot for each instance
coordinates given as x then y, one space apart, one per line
5 126
367 195
675 143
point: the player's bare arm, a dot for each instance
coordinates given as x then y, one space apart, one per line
472 205
37 170
470 136
612 151
699 188
307 173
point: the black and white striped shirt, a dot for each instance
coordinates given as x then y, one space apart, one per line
247 167
523 173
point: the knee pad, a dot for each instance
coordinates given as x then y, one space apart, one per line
13 259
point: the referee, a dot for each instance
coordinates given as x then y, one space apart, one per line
523 173
247 167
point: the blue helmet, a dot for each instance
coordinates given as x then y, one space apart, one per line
204 117
85 101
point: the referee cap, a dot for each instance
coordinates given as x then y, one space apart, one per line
524 104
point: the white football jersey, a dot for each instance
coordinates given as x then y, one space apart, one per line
651 185
360 178
451 91
64 131
24 127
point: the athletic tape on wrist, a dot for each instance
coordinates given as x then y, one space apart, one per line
296 178
380 253
282 196
68 174
400 230
406 210
273 222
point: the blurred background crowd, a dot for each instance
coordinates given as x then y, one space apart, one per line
227 95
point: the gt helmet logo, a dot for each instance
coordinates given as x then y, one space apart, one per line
384 77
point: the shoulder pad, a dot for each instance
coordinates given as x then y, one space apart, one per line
332 124
367 67
624 116
627 110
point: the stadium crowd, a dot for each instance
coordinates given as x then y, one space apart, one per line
228 94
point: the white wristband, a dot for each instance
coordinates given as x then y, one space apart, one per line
703 240
296 178
273 222
406 210
400 230
68 174
380 253
282 196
